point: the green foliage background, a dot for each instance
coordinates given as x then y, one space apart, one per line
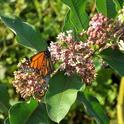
47 16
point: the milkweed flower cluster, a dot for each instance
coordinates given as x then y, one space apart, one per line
72 55
75 57
99 30
29 82
118 31
118 26
121 15
102 30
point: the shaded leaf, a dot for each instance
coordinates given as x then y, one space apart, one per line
93 107
104 75
39 116
20 113
115 59
117 4
4 99
6 121
106 7
26 34
61 95
68 25
77 15
28 113
121 2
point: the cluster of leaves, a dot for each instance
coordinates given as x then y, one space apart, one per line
63 90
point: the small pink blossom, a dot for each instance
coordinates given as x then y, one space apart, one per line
61 36
99 28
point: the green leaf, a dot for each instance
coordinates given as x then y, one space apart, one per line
117 4
6 121
115 59
103 80
28 113
93 108
39 116
121 2
26 34
104 75
68 25
77 15
106 7
61 95
20 113
4 99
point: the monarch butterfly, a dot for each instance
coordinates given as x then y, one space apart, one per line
42 62
32 77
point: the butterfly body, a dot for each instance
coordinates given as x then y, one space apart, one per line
42 62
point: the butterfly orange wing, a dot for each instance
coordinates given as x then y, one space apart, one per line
42 62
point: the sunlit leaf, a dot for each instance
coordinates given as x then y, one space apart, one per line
61 95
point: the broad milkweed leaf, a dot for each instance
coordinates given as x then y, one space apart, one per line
115 59
61 95
77 16
26 34
93 107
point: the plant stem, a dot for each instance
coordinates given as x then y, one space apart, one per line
120 104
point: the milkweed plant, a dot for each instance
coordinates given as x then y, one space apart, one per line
83 38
